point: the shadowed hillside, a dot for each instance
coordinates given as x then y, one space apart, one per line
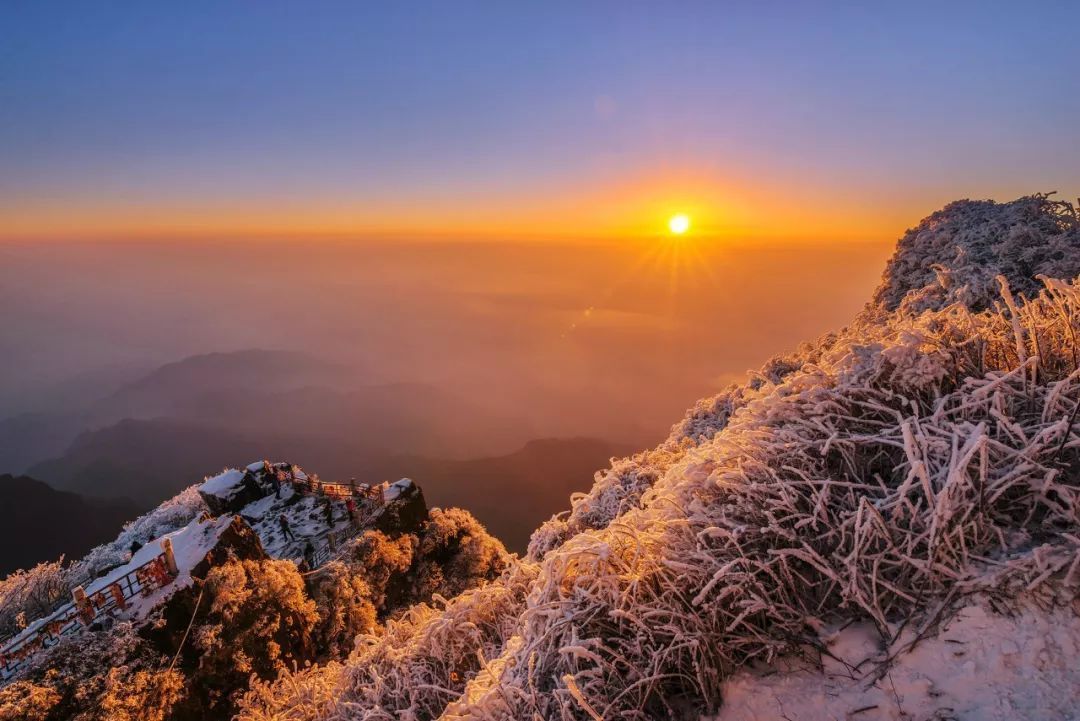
75 524
512 494
153 459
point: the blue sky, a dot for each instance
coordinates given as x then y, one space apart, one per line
145 106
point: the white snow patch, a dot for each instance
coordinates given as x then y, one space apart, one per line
257 510
190 546
982 666
306 518
223 484
395 489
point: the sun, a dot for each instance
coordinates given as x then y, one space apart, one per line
679 223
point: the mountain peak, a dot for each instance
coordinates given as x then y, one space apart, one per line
956 254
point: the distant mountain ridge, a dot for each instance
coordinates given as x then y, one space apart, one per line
312 409
161 391
29 438
42 523
150 460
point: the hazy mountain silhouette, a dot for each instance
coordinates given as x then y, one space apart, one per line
513 494
146 461
165 431
28 438
149 461
48 522
257 393
172 386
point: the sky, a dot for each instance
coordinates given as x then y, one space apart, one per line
795 121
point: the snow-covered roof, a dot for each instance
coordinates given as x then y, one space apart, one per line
223 484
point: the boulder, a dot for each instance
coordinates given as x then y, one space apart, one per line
231 490
405 509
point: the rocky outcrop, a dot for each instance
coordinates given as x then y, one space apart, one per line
237 541
405 510
232 489
229 491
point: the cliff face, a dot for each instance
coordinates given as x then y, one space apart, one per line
406 511
236 542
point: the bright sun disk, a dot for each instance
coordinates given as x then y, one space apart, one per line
679 223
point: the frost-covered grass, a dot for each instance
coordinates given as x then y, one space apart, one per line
411 669
928 451
956 254
169 516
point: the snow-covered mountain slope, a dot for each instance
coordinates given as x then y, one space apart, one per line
890 475
311 517
253 571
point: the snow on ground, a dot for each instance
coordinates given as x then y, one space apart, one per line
306 516
982 666
169 516
190 546
257 510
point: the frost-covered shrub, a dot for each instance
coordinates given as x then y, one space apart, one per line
451 552
421 660
709 415
955 254
455 553
343 600
26 595
169 516
26 701
258 620
140 694
99 675
382 562
614 492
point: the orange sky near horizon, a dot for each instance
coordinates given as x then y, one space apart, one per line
502 122
633 208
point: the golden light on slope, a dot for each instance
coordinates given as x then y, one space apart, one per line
679 223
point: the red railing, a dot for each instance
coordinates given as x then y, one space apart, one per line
357 491
44 633
47 631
